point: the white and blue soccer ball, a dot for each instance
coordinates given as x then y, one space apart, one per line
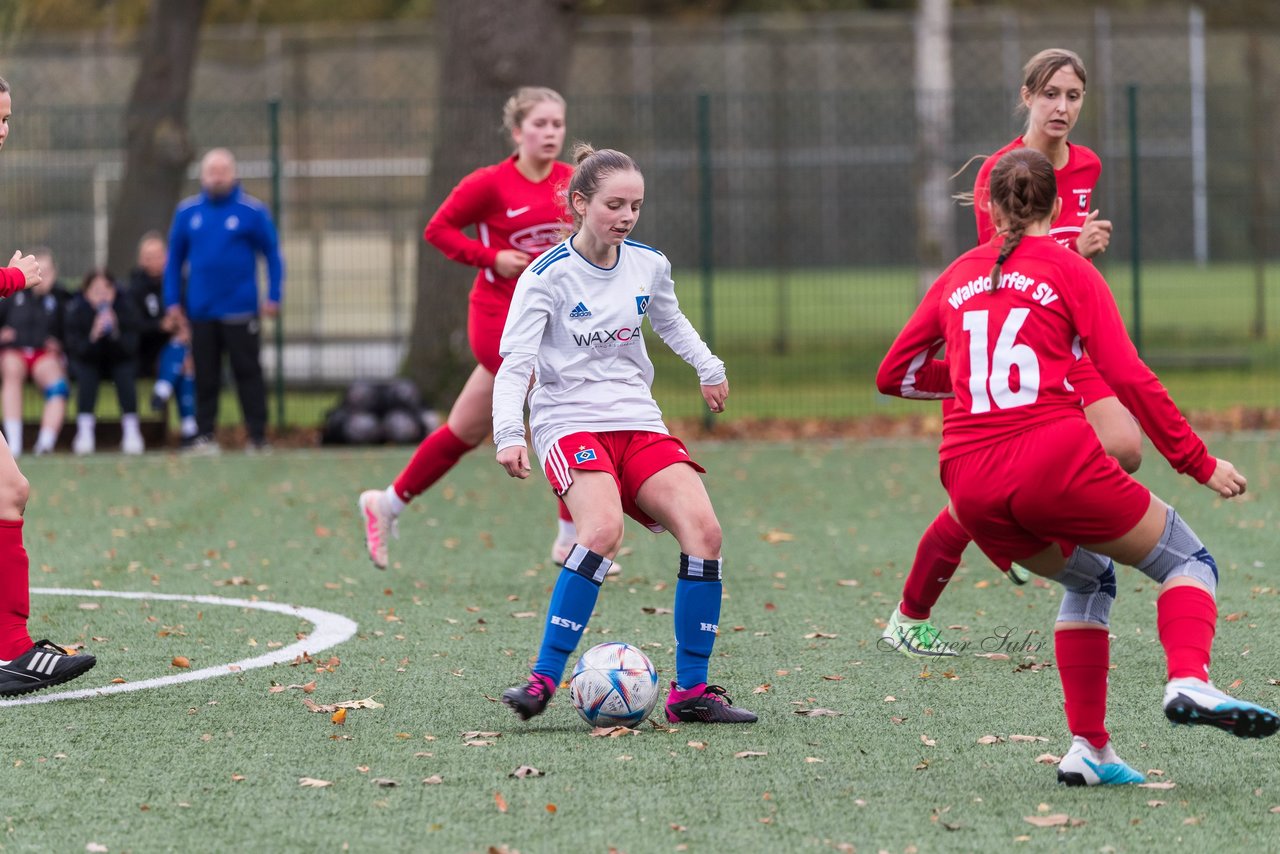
614 684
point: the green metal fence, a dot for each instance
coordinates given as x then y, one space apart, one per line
790 218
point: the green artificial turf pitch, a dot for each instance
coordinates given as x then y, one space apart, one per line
817 539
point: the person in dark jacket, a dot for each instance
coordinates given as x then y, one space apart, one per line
217 238
31 346
102 341
164 342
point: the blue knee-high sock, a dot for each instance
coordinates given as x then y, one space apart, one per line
569 609
169 367
697 617
187 396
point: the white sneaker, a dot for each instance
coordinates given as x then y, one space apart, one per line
132 444
379 525
1197 702
560 553
201 446
1086 765
84 443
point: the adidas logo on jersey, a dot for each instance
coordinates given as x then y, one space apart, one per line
579 311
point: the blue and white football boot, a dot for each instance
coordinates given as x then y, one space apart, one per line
1196 702
1086 765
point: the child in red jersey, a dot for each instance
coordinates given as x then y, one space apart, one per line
518 210
1028 478
24 666
1052 96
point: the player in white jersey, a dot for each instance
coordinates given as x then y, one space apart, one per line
574 324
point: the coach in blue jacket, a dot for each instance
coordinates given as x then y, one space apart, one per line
217 237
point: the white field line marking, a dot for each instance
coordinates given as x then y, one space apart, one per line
330 630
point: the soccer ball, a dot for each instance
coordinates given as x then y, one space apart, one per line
614 684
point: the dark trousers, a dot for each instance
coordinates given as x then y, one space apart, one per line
89 374
240 340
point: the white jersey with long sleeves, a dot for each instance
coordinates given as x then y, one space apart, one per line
577 328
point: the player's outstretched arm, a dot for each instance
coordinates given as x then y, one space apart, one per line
1226 480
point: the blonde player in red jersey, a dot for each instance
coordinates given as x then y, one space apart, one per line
518 210
24 666
575 325
1052 95
1028 477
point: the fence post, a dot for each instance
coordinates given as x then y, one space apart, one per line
273 114
705 209
1135 219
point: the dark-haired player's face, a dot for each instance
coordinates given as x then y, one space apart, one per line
6 109
612 212
1054 109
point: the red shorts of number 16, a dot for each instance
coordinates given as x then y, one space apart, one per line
1050 484
631 456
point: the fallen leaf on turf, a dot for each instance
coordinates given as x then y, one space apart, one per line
651 610
891 699
994 656
1275 809
477 742
1161 785
477 733
614 731
990 739
322 531
525 771
924 763
812 759
236 778
1193 819
762 689
659 727
1058 819
776 536
928 742
1156 803
90 606
551 808
747 754
117 681
848 582
1025 739
180 661
823 635
339 717
894 719
433 780
832 678
679 828
384 782
818 713
313 783
524 615
500 801
96 848
697 745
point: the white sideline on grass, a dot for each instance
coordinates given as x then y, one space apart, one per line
330 630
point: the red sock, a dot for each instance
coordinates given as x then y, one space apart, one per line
1084 656
15 592
565 516
1187 617
937 557
438 453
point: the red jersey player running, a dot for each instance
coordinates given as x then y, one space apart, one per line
24 666
1052 95
1029 479
518 210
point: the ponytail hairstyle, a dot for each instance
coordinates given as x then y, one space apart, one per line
592 168
4 86
1023 190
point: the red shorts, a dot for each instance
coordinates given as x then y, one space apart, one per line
1051 484
631 456
485 320
30 355
1088 383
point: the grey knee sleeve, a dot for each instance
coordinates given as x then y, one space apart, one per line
1089 580
1180 552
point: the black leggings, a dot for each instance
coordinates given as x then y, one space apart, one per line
123 371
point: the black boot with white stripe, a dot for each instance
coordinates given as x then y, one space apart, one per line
43 666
